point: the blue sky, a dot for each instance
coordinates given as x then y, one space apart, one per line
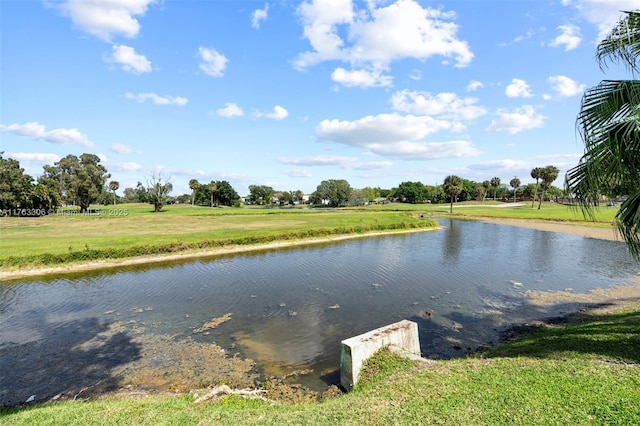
290 93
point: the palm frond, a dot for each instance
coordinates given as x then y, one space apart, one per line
622 44
628 223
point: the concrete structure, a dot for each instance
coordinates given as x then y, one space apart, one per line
401 337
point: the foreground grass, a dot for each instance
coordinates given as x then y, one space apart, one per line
584 373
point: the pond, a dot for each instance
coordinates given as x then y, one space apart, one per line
183 325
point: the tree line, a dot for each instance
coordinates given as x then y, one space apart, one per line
82 181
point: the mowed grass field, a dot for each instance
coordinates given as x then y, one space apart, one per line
121 229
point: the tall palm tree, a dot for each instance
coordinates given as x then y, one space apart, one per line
548 175
113 187
193 186
609 124
212 188
495 182
536 173
452 186
515 184
486 185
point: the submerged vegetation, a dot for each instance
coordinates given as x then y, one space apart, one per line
583 372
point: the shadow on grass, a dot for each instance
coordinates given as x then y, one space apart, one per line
74 360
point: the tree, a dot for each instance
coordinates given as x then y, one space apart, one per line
336 191
298 196
486 185
193 185
536 173
479 192
411 192
609 125
113 187
211 189
495 183
78 180
285 197
15 186
548 175
261 194
452 187
515 184
158 189
225 194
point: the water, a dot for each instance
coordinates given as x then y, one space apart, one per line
289 309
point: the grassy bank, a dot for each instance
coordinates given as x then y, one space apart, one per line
581 373
134 230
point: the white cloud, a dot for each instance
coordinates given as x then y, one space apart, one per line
382 128
297 173
129 60
212 62
361 78
120 148
518 89
569 37
37 131
415 75
376 36
106 18
603 13
126 167
157 99
523 118
230 110
279 113
348 163
474 85
34 157
396 136
259 15
444 105
566 86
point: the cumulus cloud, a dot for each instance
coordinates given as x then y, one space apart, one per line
279 113
516 121
34 157
474 85
157 99
35 130
120 148
603 14
126 167
396 136
105 19
212 62
259 15
375 36
565 86
129 60
443 105
297 173
230 110
518 89
569 37
361 78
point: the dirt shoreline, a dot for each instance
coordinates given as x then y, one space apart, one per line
542 225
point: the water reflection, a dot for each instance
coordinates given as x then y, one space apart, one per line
289 309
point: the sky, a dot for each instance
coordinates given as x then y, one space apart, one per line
291 93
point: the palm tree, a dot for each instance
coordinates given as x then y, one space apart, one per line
212 188
486 185
452 187
515 184
609 125
193 185
113 187
495 182
536 173
548 175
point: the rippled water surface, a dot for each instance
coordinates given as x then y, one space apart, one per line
289 309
